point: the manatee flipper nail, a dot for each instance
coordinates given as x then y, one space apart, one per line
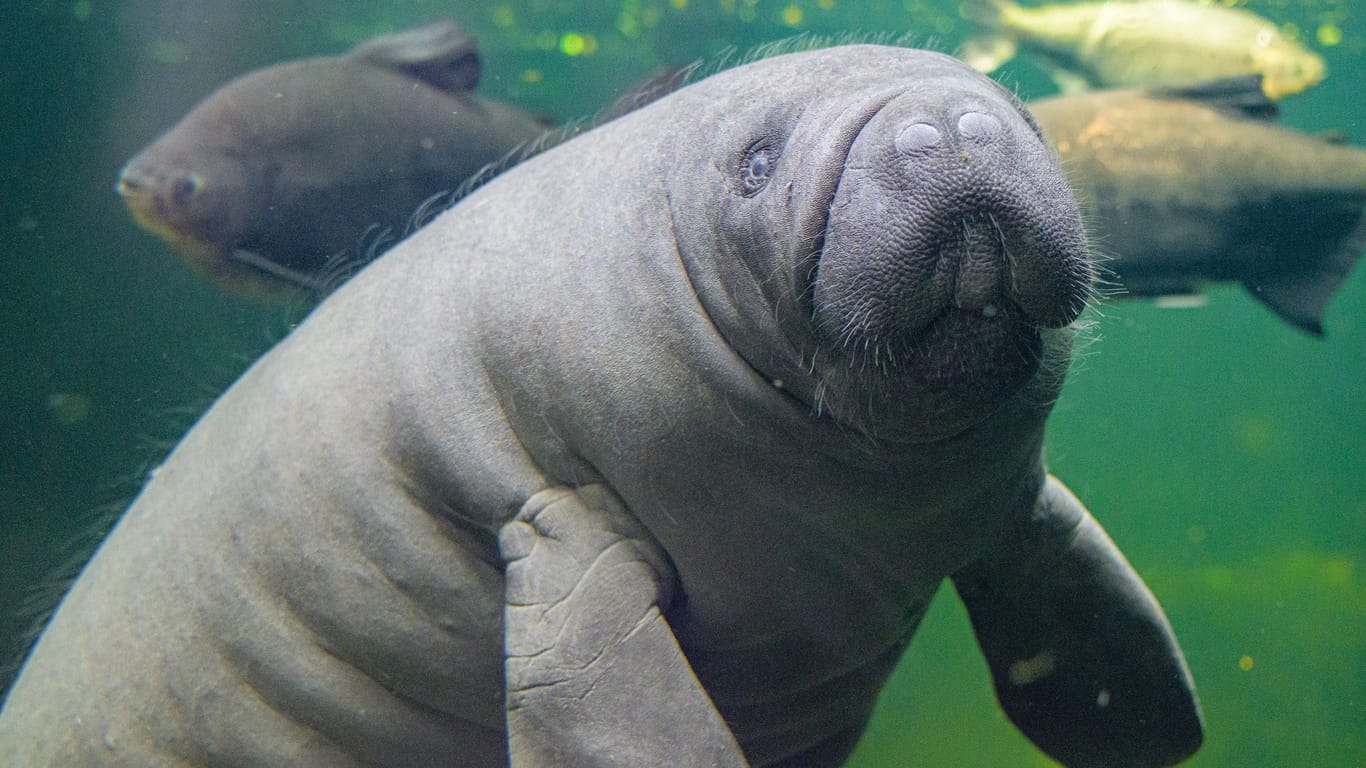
1083 660
585 638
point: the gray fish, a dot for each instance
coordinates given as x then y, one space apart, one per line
285 167
1199 184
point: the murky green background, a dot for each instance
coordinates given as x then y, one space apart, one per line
1222 449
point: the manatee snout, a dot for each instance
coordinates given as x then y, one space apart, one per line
952 244
950 204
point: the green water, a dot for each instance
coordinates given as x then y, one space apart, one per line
1222 449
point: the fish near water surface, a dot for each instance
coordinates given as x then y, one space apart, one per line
282 169
1192 185
1140 43
653 451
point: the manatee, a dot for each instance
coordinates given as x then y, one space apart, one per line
284 168
657 464
1187 186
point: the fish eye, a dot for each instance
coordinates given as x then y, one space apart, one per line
183 188
1264 37
756 168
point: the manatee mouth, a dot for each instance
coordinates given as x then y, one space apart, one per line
961 368
981 355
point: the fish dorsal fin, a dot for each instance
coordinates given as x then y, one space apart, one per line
1240 96
440 54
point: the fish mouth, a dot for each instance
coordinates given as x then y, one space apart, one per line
149 215
1278 87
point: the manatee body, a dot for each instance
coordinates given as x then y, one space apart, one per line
1195 185
659 464
286 167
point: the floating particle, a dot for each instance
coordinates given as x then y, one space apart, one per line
68 408
1329 35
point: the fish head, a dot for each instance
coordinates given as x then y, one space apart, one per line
1286 66
189 193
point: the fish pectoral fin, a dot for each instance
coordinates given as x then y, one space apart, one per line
261 267
441 54
594 673
1183 300
1083 660
1300 297
1240 96
987 54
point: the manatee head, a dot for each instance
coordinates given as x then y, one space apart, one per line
893 242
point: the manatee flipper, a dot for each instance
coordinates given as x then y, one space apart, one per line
595 676
1082 657
441 54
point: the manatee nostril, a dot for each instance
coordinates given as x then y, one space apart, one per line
916 137
978 125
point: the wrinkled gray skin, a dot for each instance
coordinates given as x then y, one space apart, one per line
284 168
659 464
1195 185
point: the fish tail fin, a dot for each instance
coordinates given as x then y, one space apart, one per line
1300 298
995 46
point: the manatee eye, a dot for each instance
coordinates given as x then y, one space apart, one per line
756 168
